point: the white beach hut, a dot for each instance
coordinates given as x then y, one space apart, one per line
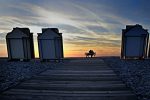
134 42
20 44
50 44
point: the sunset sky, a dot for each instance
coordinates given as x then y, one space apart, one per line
85 24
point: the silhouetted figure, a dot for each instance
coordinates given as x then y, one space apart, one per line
90 53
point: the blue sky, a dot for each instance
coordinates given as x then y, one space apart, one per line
84 23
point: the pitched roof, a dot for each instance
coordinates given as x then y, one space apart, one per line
55 30
129 27
25 33
24 30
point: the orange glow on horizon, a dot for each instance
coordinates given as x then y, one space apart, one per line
3 50
73 51
79 51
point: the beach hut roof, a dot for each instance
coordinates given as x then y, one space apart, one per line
19 33
49 33
134 30
52 29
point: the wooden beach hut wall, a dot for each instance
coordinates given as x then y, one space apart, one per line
50 44
20 44
134 42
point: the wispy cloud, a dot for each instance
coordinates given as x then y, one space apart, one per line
85 23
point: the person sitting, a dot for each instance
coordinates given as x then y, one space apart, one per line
91 52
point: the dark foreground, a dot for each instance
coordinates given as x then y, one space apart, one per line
76 79
135 73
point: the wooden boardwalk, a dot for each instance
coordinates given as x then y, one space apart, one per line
78 79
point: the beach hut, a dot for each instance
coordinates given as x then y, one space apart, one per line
50 44
134 42
20 44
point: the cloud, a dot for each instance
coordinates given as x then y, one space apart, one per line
103 40
98 29
83 22
2 37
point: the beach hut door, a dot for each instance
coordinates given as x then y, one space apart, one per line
16 48
48 49
134 46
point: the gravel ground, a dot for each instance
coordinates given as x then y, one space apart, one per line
135 73
11 73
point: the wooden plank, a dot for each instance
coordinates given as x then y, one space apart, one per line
71 82
73 87
82 78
